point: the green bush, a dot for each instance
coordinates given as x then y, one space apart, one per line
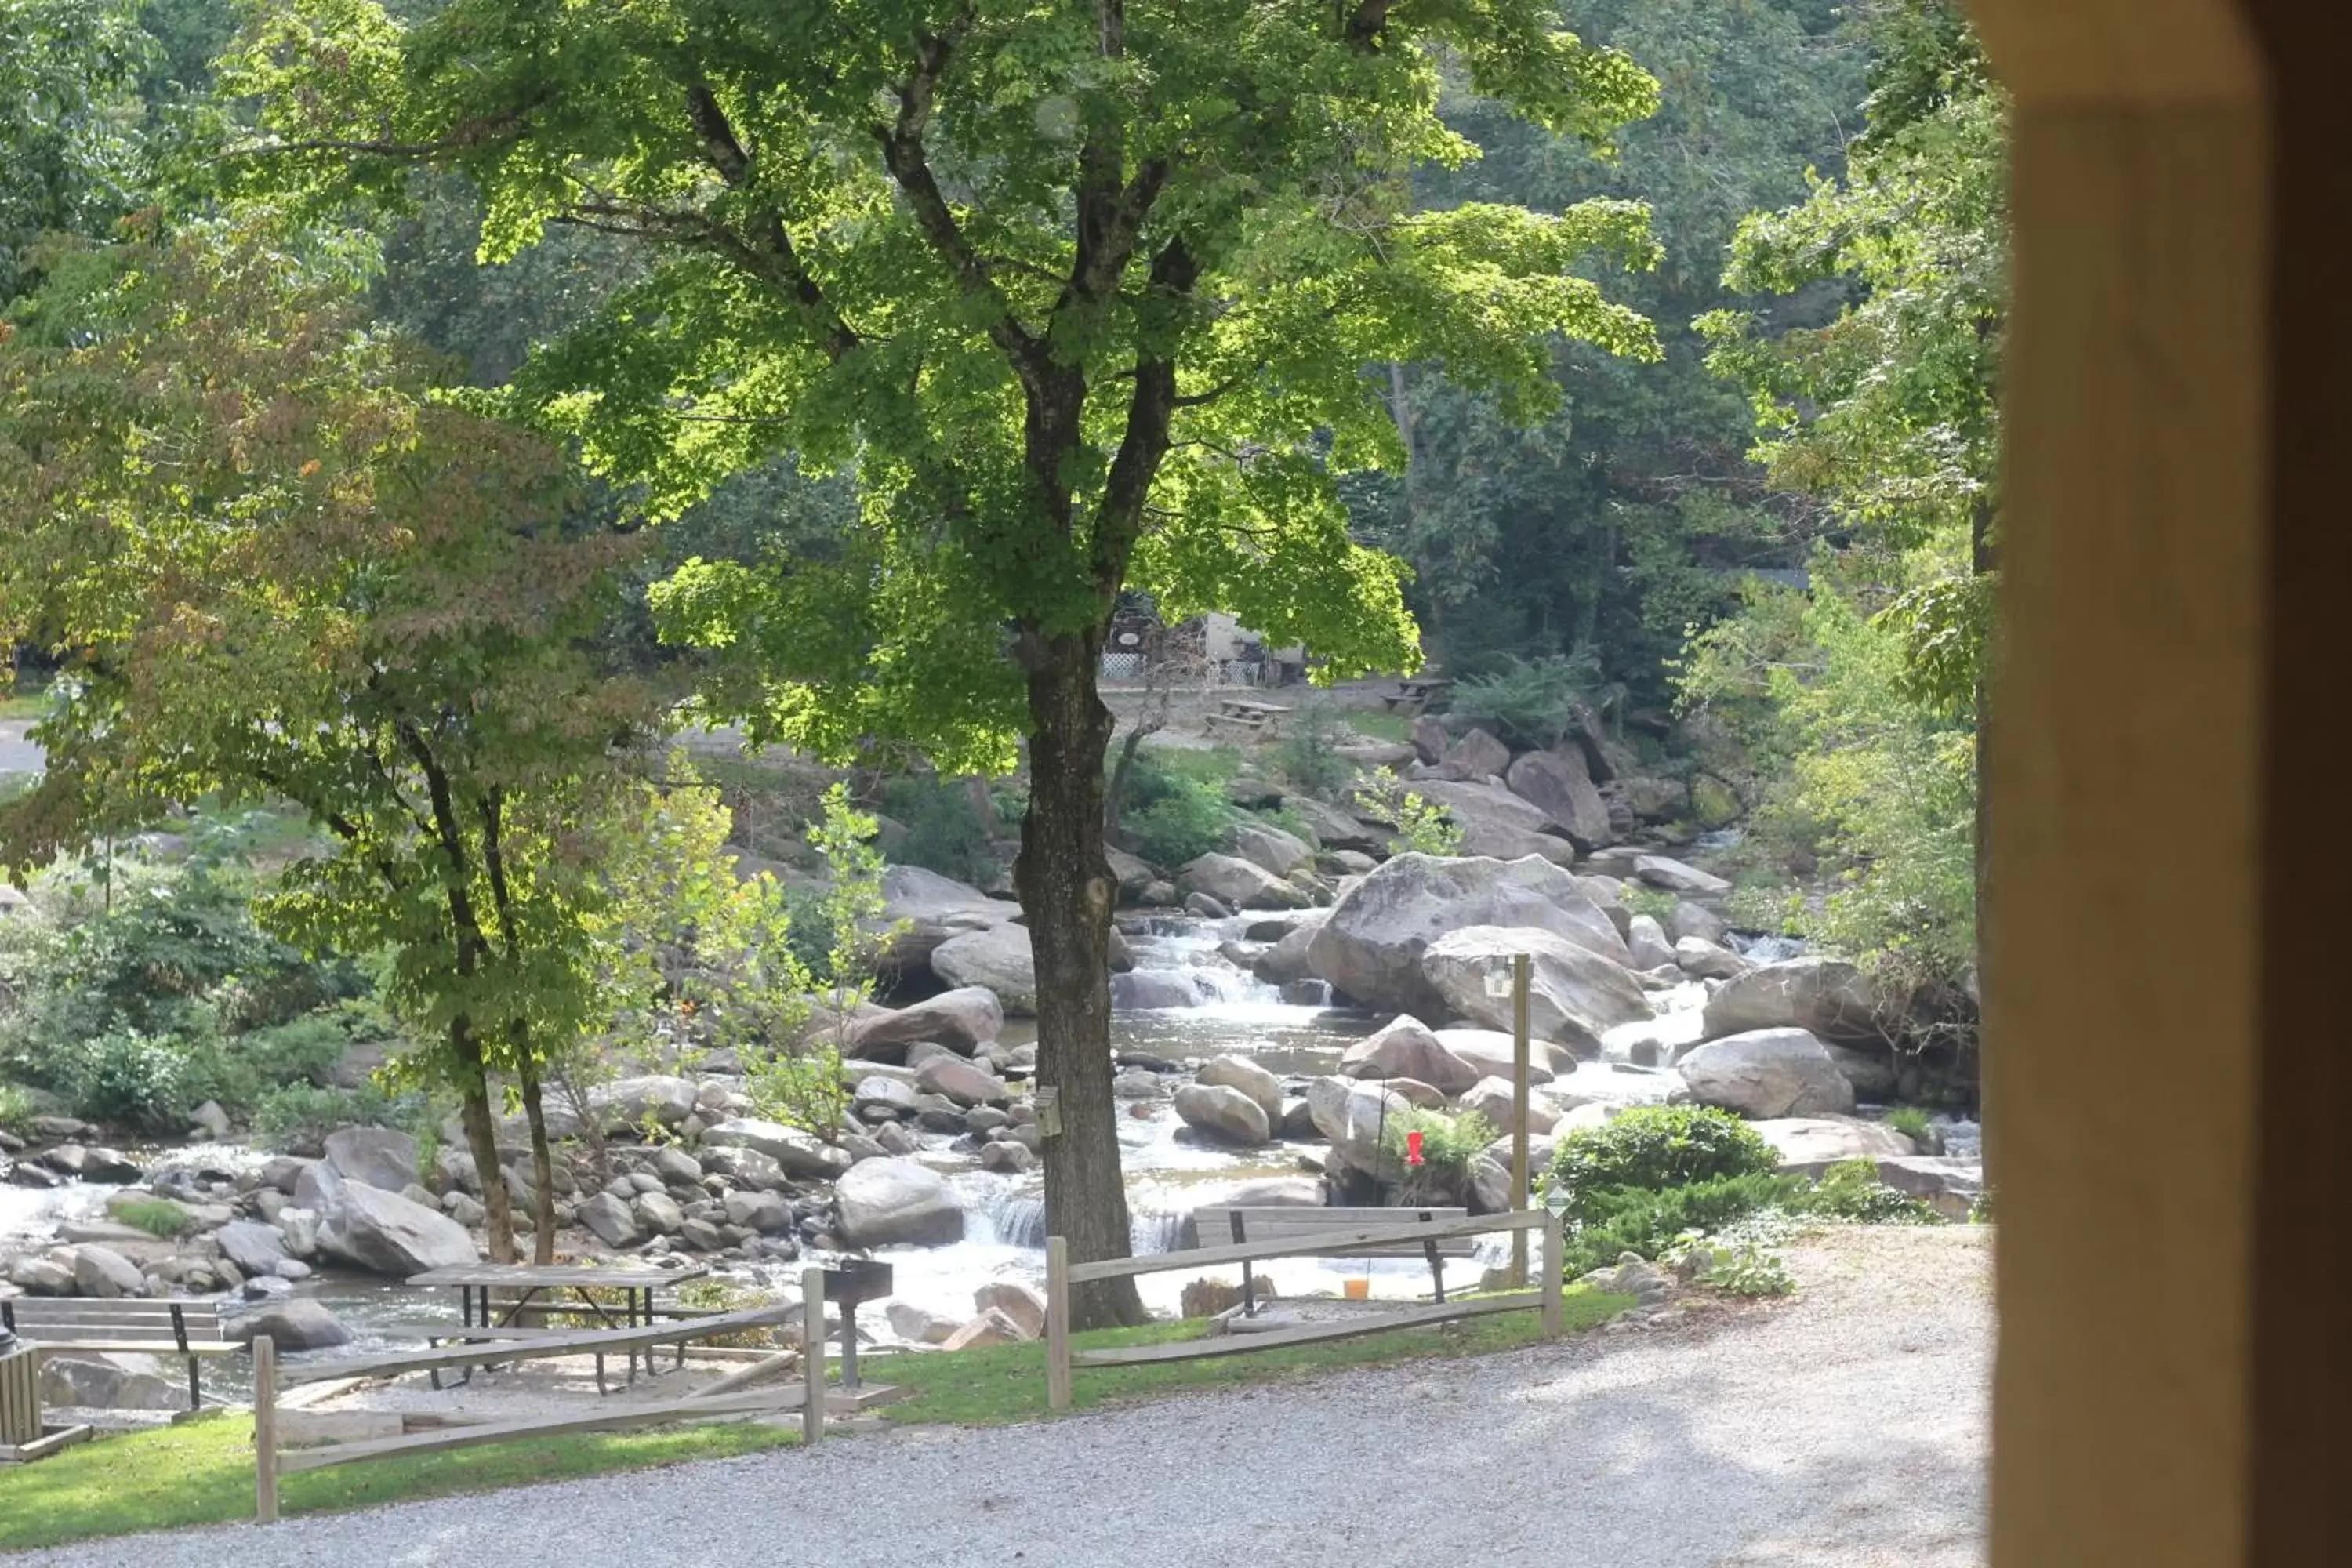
1535 702
946 832
1654 1147
124 1078
1654 902
1747 1271
1308 756
1613 1220
299 1115
16 1108
1448 1145
1851 1190
1184 819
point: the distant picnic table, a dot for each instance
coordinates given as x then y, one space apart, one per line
522 1285
1244 715
1418 695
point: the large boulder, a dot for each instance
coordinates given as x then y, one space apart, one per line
962 1081
1823 996
89 1380
1229 1071
1573 994
1270 848
1646 940
628 1102
39 1276
1370 946
1291 959
1133 873
891 1201
1335 828
1704 960
1477 755
1768 1074
611 1219
1408 1049
1223 1113
1811 1144
1663 871
384 1233
1556 783
798 1153
934 908
1019 1300
1352 1115
1153 990
294 1323
105 1273
254 1247
962 1020
996 958
1493 1099
1495 822
1694 919
1240 884
377 1156
1492 1054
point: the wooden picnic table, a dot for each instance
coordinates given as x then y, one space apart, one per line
532 1284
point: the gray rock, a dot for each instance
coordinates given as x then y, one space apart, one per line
795 1152
210 1120
1691 919
1646 939
1811 1144
918 1325
702 1236
1136 1084
610 1220
377 1156
105 1273
1009 1157
271 1286
935 908
959 1080
896 1139
1492 1054
1286 961
293 1269
630 1102
990 1328
296 1323
1574 993
384 1233
1225 1114
1152 990
1351 1115
1207 907
37 1276
1492 1098
1477 755
658 1213
1371 946
875 1096
962 1020
1557 784
1298 1124
1497 824
1270 848
1647 1283
1018 1300
1240 1072
677 1168
256 1248
1873 1073
882 1201
765 1213
300 1227
1766 1074
1823 996
1239 884
1704 960
91 1381
995 958
1408 1049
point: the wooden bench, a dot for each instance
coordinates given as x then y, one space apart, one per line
190 1330
1418 696
1061 1274
1309 1227
1244 715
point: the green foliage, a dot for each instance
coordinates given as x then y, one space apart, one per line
1747 1270
1423 826
945 833
16 1108
1915 1124
804 1088
155 1215
1851 1190
1641 899
1654 1147
299 1116
1535 701
1182 819
1609 1221
1307 757
1449 1144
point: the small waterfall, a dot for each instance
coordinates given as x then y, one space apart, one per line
1769 949
1008 1218
1151 1233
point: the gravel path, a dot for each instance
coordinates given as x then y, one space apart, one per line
1841 1429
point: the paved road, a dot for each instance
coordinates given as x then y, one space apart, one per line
1845 1429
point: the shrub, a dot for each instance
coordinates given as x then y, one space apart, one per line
1185 820
1851 1190
1608 1220
1535 702
298 1116
946 831
155 1215
1657 903
1654 1147
16 1108
805 1088
1421 826
1747 1271
125 1078
1913 1124
1307 757
1448 1143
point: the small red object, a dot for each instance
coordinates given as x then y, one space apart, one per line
1413 1148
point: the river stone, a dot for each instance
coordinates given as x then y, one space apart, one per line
882 1201
1490 1053
1152 990
963 1020
1557 784
1694 920
1287 962
254 1247
919 1325
294 1323
1240 1072
1352 1115
103 1272
796 1152
210 1120
385 1234
379 1156
1496 823
1766 1074
92 1380
1663 871
1269 848
1018 1300
934 910
1224 1113
1704 960
300 1227
1490 1172
628 1102
1370 946
1811 1144
1823 996
37 1276
1240 884
1646 939
1407 1049
885 1094
1335 829
996 958
1492 1099
611 1220
1008 1156
1573 994
990 1328
677 1168
1477 755
763 1212
658 1213
960 1082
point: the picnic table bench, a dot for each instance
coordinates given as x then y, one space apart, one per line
1309 1227
1418 695
189 1330
1245 715
569 1287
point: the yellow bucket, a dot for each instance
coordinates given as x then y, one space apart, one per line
1358 1290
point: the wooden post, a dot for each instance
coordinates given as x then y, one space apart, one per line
1519 1050
264 1429
812 1353
1057 1323
1555 1266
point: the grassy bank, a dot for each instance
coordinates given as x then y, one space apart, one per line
201 1472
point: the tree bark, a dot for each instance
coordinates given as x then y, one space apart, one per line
1068 893
543 1158
482 1138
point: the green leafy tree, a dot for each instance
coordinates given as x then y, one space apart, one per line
1083 292
272 564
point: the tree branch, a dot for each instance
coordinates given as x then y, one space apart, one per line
1150 410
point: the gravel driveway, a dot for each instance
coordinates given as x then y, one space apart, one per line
1843 1428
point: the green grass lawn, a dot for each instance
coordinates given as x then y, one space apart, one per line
201 1471
1380 726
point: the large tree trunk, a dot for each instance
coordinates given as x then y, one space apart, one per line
1068 892
482 1138
542 1157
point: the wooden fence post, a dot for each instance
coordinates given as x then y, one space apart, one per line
1057 1323
264 1429
812 1353
1555 1265
1519 1052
